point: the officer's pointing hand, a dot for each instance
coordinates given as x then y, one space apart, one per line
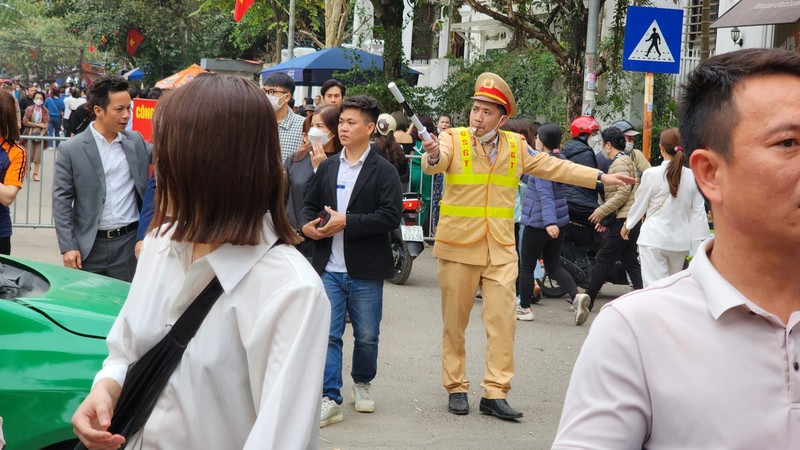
616 179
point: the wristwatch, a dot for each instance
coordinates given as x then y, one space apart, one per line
599 175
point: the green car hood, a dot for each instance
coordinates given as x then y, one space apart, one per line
79 302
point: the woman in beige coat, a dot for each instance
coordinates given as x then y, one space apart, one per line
614 210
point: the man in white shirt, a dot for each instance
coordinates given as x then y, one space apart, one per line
99 183
360 193
708 357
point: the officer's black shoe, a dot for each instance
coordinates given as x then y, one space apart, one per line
500 408
458 404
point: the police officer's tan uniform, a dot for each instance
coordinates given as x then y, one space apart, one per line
475 237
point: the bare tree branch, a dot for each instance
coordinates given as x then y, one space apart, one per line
535 30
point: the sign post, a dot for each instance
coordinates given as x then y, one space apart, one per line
652 45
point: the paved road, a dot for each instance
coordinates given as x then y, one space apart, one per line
411 407
411 404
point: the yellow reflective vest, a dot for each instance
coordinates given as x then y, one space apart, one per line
479 196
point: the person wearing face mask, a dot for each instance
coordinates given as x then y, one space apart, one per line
279 88
300 166
36 120
475 236
615 209
583 201
636 155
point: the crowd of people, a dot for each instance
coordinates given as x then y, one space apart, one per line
329 183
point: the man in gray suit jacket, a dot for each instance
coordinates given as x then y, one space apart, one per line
100 179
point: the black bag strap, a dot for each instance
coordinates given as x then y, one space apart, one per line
189 322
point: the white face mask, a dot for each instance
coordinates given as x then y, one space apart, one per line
628 147
317 136
275 102
490 135
38 102
594 142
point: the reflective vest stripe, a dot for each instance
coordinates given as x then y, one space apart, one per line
499 180
476 211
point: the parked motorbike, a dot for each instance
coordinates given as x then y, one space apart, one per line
578 251
407 241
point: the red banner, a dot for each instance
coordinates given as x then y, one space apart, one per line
142 117
241 8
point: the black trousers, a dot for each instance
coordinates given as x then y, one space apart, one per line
613 249
535 243
5 245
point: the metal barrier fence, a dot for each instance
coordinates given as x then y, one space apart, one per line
33 207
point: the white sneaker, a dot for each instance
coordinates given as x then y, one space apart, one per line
330 413
524 314
581 303
363 399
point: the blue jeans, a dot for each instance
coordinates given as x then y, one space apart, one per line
363 299
54 129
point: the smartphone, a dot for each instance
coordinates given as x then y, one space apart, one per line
323 217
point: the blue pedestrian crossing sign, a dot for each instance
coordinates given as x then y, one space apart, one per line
653 40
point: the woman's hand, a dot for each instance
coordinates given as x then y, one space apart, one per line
599 228
302 149
317 156
552 230
624 232
93 417
595 218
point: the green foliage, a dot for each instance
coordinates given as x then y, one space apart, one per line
32 45
369 82
664 112
532 74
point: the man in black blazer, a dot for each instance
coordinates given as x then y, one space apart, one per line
99 184
358 192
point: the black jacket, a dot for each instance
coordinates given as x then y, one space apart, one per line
374 211
580 198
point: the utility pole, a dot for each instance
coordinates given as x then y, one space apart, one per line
291 28
589 74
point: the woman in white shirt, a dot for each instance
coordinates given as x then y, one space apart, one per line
251 378
675 213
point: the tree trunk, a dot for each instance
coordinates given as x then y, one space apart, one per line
576 56
389 27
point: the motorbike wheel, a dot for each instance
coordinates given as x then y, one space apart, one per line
551 288
402 260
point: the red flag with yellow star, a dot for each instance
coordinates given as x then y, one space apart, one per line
135 39
241 8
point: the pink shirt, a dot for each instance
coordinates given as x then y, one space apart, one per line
688 363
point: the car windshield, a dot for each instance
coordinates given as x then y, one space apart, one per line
16 282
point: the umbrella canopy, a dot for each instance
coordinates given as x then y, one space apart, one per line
179 79
134 74
318 67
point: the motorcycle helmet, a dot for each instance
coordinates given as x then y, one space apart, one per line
583 125
386 124
625 127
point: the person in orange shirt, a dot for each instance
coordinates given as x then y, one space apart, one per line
13 161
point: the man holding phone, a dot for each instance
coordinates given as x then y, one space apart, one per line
353 203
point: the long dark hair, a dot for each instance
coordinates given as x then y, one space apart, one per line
393 151
670 141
